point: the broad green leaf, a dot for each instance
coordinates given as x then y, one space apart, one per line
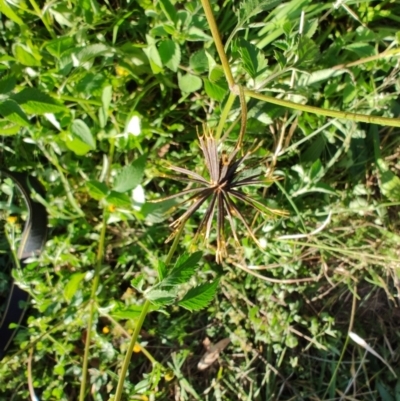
253 59
130 176
170 54
81 131
119 200
10 110
8 128
361 49
57 47
88 53
308 52
72 286
198 61
216 90
138 282
26 56
187 259
9 13
34 101
97 190
7 84
161 297
77 146
169 10
199 297
189 83
195 34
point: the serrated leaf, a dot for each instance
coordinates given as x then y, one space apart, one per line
161 270
253 59
138 282
184 269
170 54
72 286
57 47
189 83
10 110
34 101
195 34
198 61
81 131
216 90
199 297
88 53
129 312
97 190
129 177
161 297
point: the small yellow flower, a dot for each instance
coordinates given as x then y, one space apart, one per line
169 375
106 330
137 348
12 219
111 208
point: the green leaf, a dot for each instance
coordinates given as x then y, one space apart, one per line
199 297
129 312
88 53
253 59
138 282
195 34
8 128
34 101
161 270
183 270
81 131
72 286
170 54
26 56
154 57
97 190
119 200
161 297
7 84
216 90
57 47
198 61
129 177
9 13
10 110
77 146
189 83
169 10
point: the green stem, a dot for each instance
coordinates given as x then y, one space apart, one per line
95 286
218 43
224 115
390 122
139 324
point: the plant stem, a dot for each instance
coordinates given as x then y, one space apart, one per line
218 43
139 324
224 115
391 122
95 285
43 18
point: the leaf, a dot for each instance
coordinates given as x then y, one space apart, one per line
183 270
161 270
198 61
97 190
154 56
216 90
170 54
25 56
8 128
10 110
195 34
129 177
81 131
189 83
253 59
57 47
7 84
88 53
119 200
34 101
199 297
161 297
9 13
129 312
169 10
72 286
